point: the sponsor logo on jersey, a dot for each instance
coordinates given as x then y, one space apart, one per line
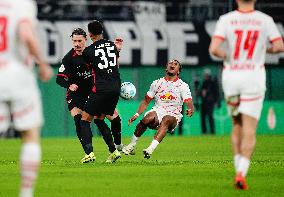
167 97
61 68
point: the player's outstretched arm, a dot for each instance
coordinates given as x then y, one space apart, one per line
29 38
142 107
215 48
276 47
190 108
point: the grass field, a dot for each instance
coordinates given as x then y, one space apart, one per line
181 166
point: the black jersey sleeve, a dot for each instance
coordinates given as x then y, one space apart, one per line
63 75
87 55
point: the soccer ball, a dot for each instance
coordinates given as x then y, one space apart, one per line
127 90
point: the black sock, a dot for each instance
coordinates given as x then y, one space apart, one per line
106 133
86 136
77 119
116 130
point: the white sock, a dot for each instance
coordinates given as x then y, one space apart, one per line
154 144
243 165
236 161
134 140
29 160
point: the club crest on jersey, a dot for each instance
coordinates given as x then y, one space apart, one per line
167 97
61 68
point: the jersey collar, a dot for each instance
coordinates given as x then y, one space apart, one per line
245 12
177 78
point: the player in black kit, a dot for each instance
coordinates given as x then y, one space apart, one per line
102 55
76 76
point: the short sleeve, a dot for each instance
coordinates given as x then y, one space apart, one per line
220 30
273 33
27 11
152 91
185 92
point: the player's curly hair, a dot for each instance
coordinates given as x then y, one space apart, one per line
95 27
79 31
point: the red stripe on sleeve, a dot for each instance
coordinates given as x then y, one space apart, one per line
275 39
62 75
188 99
219 37
148 97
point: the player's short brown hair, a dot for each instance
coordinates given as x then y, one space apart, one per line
79 31
95 27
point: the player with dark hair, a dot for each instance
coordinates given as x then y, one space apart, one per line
102 55
169 93
246 32
76 76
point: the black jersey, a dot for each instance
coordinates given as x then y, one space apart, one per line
103 56
75 70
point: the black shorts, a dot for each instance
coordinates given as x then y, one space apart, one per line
76 101
101 103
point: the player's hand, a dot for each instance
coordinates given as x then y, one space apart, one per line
189 112
133 118
118 43
73 87
45 72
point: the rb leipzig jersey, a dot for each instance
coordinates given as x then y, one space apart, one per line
246 35
12 13
169 95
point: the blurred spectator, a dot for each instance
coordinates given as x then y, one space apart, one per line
209 99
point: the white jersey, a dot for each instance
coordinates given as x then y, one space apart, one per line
13 12
169 95
17 80
246 35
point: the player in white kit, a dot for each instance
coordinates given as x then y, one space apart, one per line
20 96
169 92
246 33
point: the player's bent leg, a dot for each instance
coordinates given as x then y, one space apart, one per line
106 133
150 119
167 123
116 129
30 158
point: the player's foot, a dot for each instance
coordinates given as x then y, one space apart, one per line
88 158
147 153
240 182
119 147
129 149
113 157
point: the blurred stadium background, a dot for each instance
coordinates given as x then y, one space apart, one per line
153 33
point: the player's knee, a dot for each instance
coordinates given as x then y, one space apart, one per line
148 120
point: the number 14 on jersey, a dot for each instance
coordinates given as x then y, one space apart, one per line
250 37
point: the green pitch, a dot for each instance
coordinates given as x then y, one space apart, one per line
180 166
